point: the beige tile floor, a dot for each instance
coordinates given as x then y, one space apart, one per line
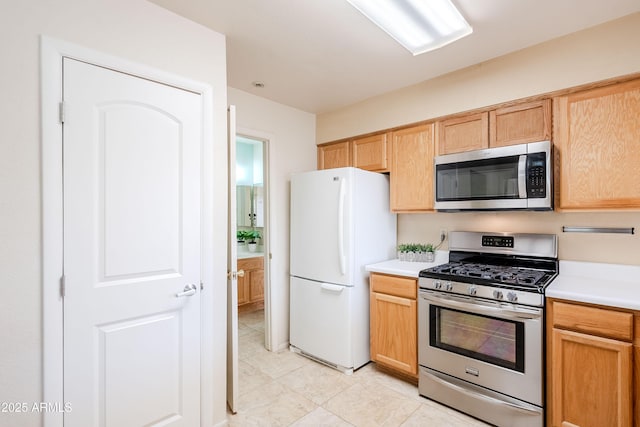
286 389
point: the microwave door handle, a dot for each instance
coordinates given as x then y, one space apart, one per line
522 176
482 309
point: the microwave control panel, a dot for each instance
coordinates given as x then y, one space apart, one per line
536 175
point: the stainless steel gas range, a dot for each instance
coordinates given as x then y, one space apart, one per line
481 326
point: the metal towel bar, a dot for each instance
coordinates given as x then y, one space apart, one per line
615 230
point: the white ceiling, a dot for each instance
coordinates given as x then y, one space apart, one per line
320 55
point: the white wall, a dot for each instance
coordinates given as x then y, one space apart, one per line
291 135
605 51
602 52
131 29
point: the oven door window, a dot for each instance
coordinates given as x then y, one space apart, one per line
490 339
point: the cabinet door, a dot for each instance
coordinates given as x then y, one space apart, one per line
591 380
372 153
466 133
597 150
243 289
394 332
412 169
334 155
519 124
243 209
256 286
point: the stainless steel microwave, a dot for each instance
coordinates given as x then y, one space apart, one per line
511 177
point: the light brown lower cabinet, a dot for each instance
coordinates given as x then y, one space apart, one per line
251 285
590 366
393 323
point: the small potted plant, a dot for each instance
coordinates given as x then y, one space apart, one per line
416 252
252 237
407 251
241 236
428 252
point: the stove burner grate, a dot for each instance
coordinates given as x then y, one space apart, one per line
508 275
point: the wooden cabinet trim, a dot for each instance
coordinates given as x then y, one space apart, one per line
251 263
595 321
403 287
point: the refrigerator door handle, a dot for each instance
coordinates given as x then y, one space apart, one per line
332 288
341 200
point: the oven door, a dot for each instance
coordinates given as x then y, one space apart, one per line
491 344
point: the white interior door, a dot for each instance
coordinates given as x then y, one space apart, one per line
131 250
232 280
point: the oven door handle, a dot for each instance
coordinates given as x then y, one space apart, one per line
483 309
478 395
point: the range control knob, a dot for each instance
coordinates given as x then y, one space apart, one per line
512 296
498 294
437 284
448 286
472 290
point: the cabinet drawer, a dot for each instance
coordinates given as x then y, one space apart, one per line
592 320
394 285
255 263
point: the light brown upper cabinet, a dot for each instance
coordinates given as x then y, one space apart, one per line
515 124
372 153
597 148
412 169
521 123
466 133
334 155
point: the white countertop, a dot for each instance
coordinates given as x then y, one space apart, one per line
248 254
406 268
596 283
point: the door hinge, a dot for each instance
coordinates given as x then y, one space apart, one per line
63 286
61 112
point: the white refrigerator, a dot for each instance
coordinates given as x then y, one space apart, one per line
340 222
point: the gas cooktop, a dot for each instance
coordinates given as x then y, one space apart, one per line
514 277
497 266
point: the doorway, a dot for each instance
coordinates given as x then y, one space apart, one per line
252 228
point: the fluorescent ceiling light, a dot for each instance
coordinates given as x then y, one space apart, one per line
418 25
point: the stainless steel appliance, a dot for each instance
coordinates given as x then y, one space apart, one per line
481 326
512 177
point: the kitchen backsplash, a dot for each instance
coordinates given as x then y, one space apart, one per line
597 247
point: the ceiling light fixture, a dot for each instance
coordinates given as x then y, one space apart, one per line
418 25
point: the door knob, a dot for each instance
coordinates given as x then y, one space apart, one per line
188 291
235 274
